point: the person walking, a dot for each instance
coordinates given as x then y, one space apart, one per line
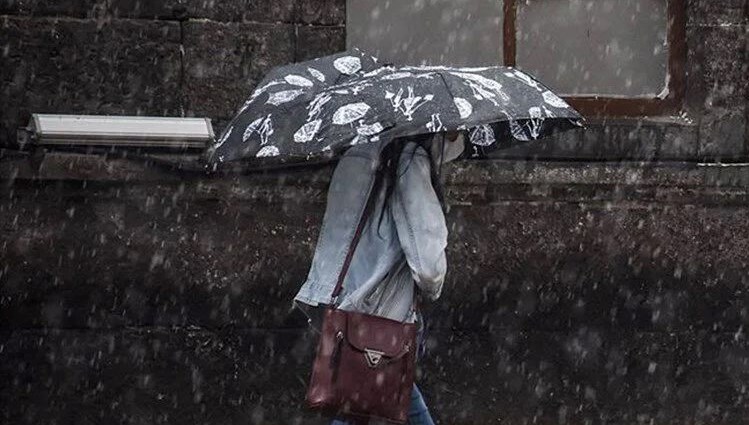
401 250
345 106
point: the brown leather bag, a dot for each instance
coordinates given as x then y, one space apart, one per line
365 364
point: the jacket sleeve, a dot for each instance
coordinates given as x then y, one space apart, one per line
420 222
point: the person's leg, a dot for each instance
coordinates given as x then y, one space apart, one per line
340 422
350 422
418 413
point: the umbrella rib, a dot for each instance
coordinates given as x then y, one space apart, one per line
447 87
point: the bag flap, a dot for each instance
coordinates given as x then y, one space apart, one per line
390 337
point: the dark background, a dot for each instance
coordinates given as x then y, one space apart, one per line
580 291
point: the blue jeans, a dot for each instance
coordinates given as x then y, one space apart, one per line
418 413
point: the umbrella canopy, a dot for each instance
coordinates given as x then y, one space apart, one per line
323 106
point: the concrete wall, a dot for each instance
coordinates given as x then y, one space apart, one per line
134 292
173 58
577 293
202 58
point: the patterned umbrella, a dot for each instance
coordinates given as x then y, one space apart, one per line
323 106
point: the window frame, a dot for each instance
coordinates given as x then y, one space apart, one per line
603 106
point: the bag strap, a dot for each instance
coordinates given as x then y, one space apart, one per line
357 234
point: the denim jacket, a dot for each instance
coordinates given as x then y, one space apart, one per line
400 247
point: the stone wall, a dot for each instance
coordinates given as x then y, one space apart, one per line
134 292
718 66
577 293
202 58
173 58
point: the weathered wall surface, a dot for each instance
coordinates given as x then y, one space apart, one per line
176 57
718 73
202 58
577 293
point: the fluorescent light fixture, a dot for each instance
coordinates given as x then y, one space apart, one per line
96 130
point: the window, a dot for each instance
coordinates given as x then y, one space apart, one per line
430 32
607 57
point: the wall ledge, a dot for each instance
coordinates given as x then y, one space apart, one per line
18 167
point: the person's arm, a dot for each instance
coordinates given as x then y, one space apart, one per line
420 222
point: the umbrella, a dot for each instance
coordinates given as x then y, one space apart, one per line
323 106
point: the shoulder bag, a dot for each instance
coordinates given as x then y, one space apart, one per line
364 367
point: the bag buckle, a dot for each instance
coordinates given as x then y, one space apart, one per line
373 357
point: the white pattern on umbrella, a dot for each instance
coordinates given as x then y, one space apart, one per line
262 126
375 72
307 132
258 91
267 151
317 74
482 135
369 129
284 96
349 113
224 138
524 78
396 76
315 106
409 104
265 87
465 109
435 124
483 88
535 122
406 74
517 131
358 88
352 88
298 80
444 68
554 100
347 65
426 68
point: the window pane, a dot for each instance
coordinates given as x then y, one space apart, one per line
595 47
414 32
